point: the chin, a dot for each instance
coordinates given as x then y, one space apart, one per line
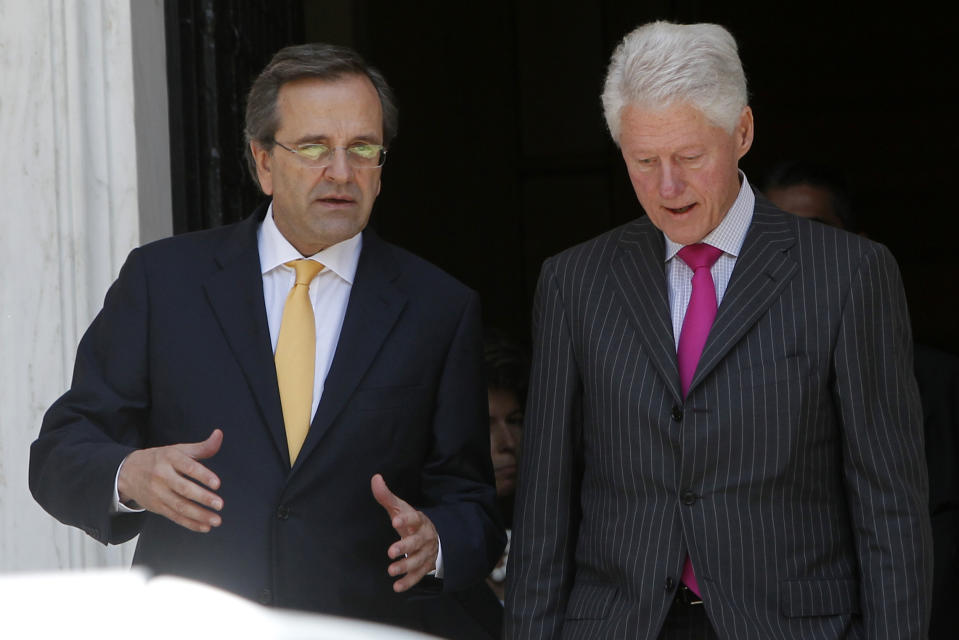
686 236
338 231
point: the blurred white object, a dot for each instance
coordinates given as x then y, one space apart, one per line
89 604
499 571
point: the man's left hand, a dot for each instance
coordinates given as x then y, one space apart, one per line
418 542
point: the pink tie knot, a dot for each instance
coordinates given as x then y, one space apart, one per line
700 255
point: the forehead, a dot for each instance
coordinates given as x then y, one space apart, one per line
666 129
316 106
806 200
503 397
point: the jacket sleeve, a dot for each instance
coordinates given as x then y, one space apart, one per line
546 517
91 428
883 459
457 478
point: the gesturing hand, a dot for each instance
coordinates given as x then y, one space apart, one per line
170 482
418 541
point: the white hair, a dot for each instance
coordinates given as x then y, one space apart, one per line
661 63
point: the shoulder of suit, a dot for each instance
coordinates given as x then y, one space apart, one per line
414 269
811 233
240 235
205 240
603 244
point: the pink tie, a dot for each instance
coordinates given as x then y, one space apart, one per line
696 324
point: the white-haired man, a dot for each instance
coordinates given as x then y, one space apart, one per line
723 435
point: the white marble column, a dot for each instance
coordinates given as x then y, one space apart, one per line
70 214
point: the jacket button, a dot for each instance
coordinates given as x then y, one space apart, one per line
669 585
266 596
677 413
689 498
282 512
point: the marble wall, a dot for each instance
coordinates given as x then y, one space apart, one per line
71 213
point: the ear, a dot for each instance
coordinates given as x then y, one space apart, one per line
263 159
743 133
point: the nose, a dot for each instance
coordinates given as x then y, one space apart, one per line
671 183
339 169
504 437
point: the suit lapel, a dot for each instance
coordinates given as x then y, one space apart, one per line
236 294
639 273
762 271
374 306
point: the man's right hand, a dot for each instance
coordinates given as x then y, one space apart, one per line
170 482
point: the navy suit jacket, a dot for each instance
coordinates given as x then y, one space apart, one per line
792 473
182 347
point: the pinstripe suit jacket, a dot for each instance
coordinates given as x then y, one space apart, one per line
793 473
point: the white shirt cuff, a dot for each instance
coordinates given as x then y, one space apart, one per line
117 506
438 571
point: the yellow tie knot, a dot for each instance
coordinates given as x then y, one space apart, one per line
306 270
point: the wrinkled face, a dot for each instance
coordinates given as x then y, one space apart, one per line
318 207
806 201
684 168
505 429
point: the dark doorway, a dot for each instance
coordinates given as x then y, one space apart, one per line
503 159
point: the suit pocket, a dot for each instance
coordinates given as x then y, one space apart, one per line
590 601
770 372
819 597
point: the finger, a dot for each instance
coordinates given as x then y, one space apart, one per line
163 496
187 466
386 498
206 449
413 553
408 522
410 543
203 449
410 579
188 489
189 514
183 501
194 521
412 563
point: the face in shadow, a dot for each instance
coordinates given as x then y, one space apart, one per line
806 201
505 429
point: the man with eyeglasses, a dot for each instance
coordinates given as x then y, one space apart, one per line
289 408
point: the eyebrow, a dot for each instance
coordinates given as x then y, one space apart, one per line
366 137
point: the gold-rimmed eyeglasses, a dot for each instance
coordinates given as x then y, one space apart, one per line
362 155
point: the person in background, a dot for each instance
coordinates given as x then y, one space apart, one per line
507 380
813 191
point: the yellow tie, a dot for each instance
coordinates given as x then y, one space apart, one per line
296 354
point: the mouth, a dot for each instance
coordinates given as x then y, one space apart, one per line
337 201
680 210
505 470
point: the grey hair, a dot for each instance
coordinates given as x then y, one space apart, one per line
661 63
317 60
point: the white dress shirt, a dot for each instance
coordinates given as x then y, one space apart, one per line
728 236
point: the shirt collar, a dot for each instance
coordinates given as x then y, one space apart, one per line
275 250
730 234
